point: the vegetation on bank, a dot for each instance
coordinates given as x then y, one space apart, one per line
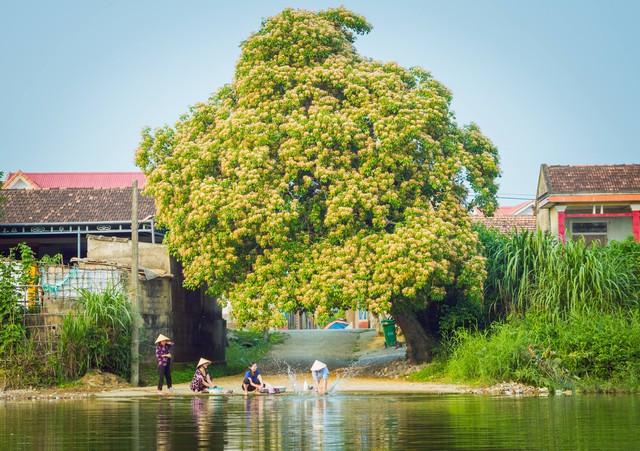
564 316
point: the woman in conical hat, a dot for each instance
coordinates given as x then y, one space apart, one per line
319 370
201 379
163 343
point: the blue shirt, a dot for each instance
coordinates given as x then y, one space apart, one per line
254 378
320 374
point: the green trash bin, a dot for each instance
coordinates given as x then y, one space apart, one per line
389 329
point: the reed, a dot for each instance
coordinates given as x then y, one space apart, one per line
97 334
536 271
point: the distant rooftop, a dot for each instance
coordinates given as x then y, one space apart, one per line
48 180
40 206
612 178
509 223
524 208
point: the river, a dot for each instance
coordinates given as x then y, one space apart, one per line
340 421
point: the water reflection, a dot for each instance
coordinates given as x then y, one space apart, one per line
210 422
343 421
163 425
319 421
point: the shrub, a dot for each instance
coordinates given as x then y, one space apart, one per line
97 334
588 351
536 271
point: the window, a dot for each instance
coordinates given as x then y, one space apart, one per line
592 232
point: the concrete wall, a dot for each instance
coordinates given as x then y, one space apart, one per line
543 220
198 327
191 319
118 250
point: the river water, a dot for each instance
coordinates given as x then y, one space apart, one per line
340 421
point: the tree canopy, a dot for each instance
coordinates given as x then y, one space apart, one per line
321 179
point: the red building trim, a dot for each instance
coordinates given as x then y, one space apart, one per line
591 198
636 225
596 215
561 226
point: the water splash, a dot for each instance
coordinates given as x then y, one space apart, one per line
285 368
348 373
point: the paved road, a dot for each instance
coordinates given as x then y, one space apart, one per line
336 348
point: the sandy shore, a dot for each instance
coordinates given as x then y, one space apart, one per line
348 385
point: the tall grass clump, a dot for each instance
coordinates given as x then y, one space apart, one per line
486 356
536 271
97 334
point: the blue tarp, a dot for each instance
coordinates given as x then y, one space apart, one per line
337 325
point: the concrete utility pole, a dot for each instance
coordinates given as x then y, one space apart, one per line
135 299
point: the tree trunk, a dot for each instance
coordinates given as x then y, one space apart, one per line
419 342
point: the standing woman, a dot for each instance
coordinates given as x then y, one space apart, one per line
164 361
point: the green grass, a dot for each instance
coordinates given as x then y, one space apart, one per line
590 352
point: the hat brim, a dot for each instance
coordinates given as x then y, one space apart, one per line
318 365
203 361
162 338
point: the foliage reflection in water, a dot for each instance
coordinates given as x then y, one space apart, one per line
343 421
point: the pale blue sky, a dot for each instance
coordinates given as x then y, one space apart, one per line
549 81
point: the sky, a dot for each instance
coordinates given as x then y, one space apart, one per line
548 81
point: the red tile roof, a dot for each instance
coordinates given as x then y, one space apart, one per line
507 210
614 178
80 179
509 223
35 206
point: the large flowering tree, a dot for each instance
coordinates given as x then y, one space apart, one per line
319 179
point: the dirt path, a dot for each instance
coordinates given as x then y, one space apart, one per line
336 348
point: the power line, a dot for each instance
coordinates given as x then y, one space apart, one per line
514 198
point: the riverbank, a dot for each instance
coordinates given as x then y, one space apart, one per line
350 385
359 362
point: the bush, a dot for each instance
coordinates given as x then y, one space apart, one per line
487 356
97 335
589 351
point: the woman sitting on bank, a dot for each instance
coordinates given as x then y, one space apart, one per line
201 379
253 380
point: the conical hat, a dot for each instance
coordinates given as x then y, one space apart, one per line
202 362
162 338
317 365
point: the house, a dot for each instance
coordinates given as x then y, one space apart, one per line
47 180
87 217
509 218
58 220
598 203
54 212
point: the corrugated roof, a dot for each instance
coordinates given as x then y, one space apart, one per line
71 205
81 179
614 178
